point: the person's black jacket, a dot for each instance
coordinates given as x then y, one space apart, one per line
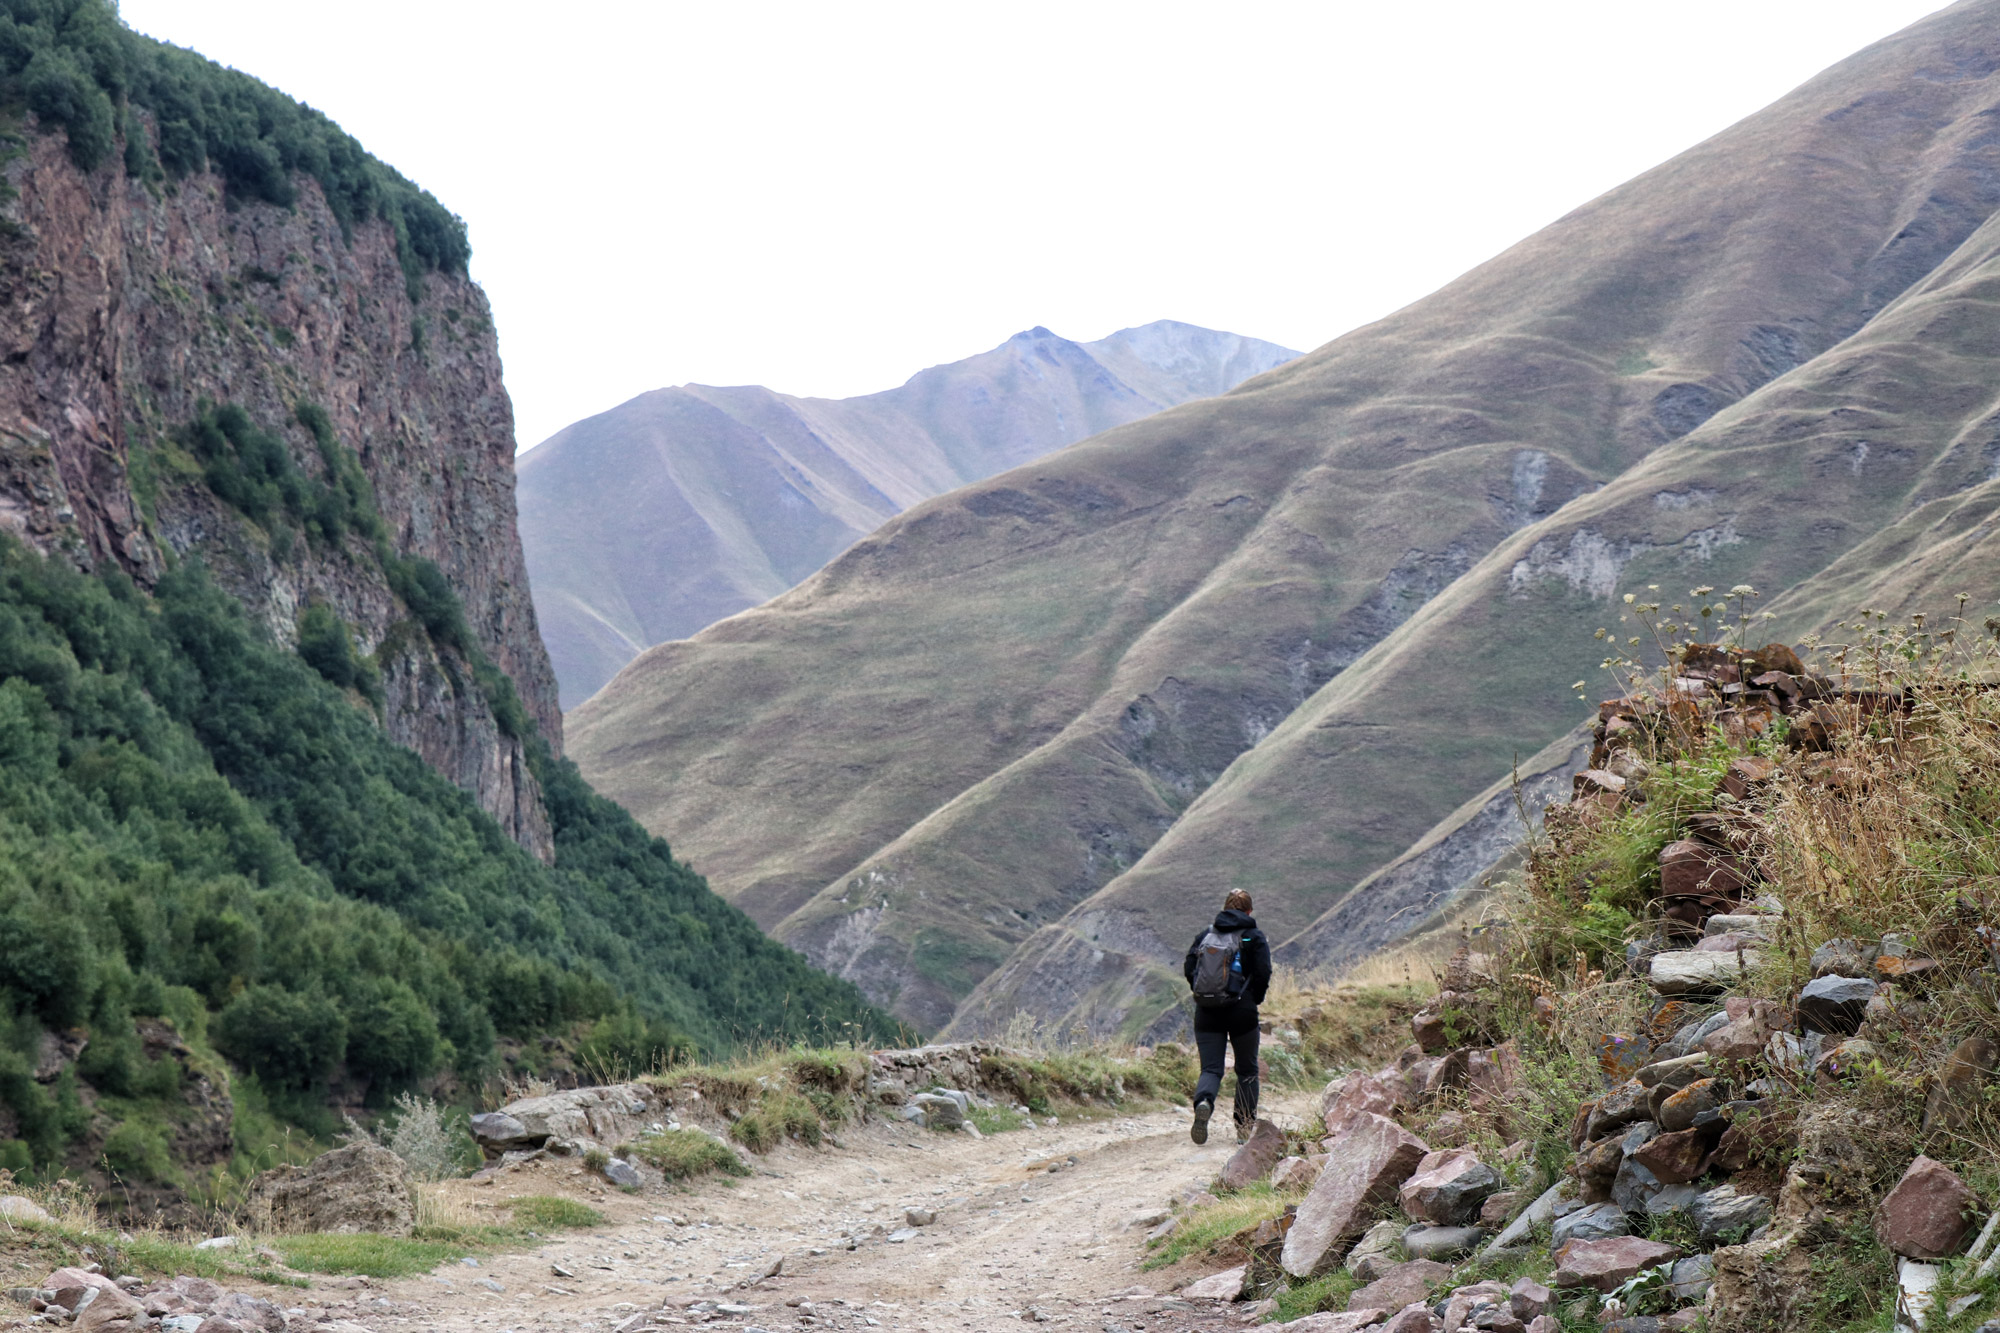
1255 953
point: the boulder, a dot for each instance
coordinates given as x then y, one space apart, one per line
1674 1159
1326 1322
16 1208
1448 1187
1623 1105
1690 869
1452 1019
1254 1157
1296 1173
1764 1286
1498 1209
1633 1186
1351 1094
1442 1242
1459 1309
1954 1099
1675 1072
361 1187
111 1311
1224 1286
1835 1004
1538 1213
1927 1215
1669 1199
1400 1285
1528 1298
1369 1258
1371 1160
622 1174
938 1110
1693 972
1415 1318
1678 1109
606 1115
1599 1221
1603 1265
1724 1214
1691 1278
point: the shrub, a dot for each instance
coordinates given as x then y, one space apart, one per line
287 1038
546 1212
138 1151
392 1036
681 1154
428 1145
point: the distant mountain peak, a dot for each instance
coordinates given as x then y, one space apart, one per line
685 505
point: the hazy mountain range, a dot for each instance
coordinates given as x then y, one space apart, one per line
1008 751
668 512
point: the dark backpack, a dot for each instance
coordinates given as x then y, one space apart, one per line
1218 970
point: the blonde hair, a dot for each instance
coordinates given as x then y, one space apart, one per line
1237 901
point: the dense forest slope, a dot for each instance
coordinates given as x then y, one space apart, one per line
285 822
682 506
1007 749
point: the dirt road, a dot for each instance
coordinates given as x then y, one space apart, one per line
1013 1242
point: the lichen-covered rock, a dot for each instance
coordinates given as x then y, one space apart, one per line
361 1187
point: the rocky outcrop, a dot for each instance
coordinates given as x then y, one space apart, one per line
362 1187
123 307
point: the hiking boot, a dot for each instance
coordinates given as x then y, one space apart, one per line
1202 1111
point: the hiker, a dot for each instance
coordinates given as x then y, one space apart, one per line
1229 969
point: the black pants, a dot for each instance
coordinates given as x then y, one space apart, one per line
1228 1028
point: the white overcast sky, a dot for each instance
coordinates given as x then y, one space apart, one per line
827 197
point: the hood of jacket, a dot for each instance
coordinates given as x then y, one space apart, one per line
1229 919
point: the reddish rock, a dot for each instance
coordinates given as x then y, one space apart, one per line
1399 1286
1413 1318
1447 1188
1254 1158
1365 1167
1621 1054
1690 869
1529 1298
1326 1322
1350 1095
1674 1159
1492 1074
1747 775
1603 1265
1544 1323
1296 1173
1927 1214
1499 1209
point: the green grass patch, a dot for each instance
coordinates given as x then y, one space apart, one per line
1203 1230
546 1212
777 1114
366 1254
997 1119
682 1154
1322 1293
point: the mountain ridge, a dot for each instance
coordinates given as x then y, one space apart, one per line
1229 644
706 500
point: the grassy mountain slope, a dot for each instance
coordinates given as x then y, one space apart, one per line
986 715
685 505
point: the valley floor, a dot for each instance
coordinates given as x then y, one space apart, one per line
1011 1236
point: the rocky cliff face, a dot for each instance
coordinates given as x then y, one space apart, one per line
124 306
